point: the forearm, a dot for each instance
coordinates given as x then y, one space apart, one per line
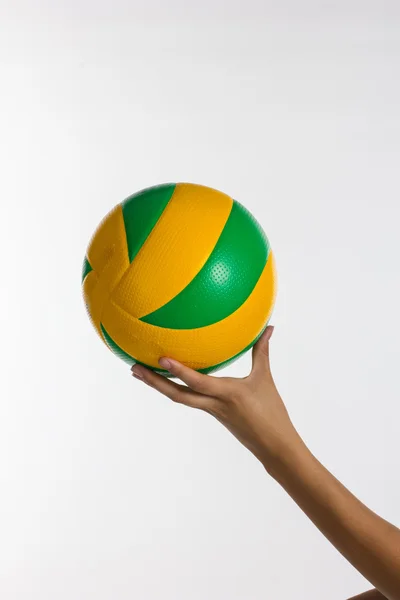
369 542
371 595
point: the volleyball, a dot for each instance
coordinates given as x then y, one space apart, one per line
179 270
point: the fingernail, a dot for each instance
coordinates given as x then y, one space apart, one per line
165 363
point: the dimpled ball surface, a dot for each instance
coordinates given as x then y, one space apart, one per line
179 270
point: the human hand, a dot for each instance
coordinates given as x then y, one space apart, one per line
250 408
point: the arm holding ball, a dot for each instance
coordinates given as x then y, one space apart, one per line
253 411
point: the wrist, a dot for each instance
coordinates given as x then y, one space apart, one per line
286 457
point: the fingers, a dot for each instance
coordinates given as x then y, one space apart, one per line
203 384
174 391
261 352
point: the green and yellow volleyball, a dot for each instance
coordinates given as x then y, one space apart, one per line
179 270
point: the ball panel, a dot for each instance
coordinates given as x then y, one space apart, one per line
141 212
228 362
86 268
116 349
225 281
94 309
108 255
184 235
198 348
124 356
132 361
109 241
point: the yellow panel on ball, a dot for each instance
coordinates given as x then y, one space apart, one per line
108 256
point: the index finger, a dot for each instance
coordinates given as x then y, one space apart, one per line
174 391
203 384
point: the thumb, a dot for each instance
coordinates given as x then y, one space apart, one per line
261 352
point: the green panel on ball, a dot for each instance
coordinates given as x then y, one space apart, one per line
86 268
226 363
226 280
123 355
141 212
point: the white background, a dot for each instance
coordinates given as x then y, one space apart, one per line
108 491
